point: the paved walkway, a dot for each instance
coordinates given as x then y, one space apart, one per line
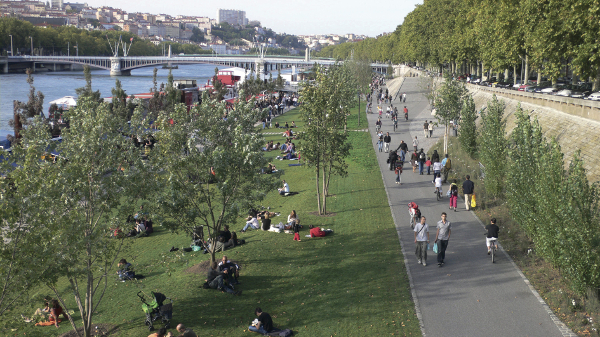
468 296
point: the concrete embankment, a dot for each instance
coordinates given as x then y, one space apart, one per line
571 131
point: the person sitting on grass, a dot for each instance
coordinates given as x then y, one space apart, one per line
139 228
225 234
286 125
285 189
55 311
316 232
125 273
185 332
293 125
214 279
41 314
251 222
233 270
162 332
263 324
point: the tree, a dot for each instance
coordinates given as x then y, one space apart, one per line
325 105
96 169
279 82
219 90
363 74
211 166
87 91
467 134
197 35
492 151
448 101
23 112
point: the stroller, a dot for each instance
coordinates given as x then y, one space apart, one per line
156 309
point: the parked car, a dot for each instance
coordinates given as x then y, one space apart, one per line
549 90
579 94
523 87
594 96
564 92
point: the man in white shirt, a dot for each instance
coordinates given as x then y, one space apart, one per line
441 238
421 240
251 222
285 189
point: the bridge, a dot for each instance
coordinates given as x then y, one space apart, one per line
122 65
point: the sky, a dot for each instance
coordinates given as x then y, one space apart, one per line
298 17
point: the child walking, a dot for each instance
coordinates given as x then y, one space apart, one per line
296 228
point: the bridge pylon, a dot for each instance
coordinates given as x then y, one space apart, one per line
115 67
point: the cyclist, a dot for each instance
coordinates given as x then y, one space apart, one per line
492 234
438 184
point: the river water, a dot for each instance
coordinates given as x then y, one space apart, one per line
55 85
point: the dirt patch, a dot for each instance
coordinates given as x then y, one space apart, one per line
326 215
200 268
97 330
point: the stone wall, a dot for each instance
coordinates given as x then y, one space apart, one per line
572 131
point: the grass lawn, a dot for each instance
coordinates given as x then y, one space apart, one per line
350 283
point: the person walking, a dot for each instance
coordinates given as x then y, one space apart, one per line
398 172
416 143
430 129
380 140
403 150
387 139
446 166
422 159
426 129
442 236
404 97
421 240
453 195
468 188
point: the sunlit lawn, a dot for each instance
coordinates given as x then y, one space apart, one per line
350 283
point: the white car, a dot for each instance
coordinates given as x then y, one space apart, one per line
594 97
550 90
564 92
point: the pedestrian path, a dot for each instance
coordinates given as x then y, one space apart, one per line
468 296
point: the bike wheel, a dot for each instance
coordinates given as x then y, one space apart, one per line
493 255
439 196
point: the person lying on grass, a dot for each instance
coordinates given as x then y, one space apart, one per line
316 232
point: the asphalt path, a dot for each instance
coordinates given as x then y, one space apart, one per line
468 295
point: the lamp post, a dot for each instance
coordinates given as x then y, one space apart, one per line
358 92
31 45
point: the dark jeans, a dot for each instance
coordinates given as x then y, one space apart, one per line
442 245
217 283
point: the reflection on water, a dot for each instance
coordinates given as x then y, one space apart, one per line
58 84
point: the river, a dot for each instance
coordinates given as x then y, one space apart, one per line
58 84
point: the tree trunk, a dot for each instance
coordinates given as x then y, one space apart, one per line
446 138
318 168
596 85
526 74
324 191
506 74
539 77
515 75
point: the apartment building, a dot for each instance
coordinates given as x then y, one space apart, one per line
232 17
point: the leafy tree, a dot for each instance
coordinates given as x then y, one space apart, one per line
23 112
492 151
197 35
83 191
467 134
87 91
279 82
448 100
325 105
211 166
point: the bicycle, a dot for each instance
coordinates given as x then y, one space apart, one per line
438 194
493 249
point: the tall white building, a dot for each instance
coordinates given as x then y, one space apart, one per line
57 4
232 17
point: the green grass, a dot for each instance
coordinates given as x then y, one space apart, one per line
350 283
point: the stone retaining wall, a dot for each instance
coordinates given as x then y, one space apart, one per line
567 125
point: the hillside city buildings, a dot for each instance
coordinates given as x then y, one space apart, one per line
156 27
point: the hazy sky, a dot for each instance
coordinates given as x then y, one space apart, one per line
293 17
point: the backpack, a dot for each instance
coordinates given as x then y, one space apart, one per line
422 156
448 164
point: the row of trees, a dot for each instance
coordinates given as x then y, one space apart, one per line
558 209
63 40
551 37
58 213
